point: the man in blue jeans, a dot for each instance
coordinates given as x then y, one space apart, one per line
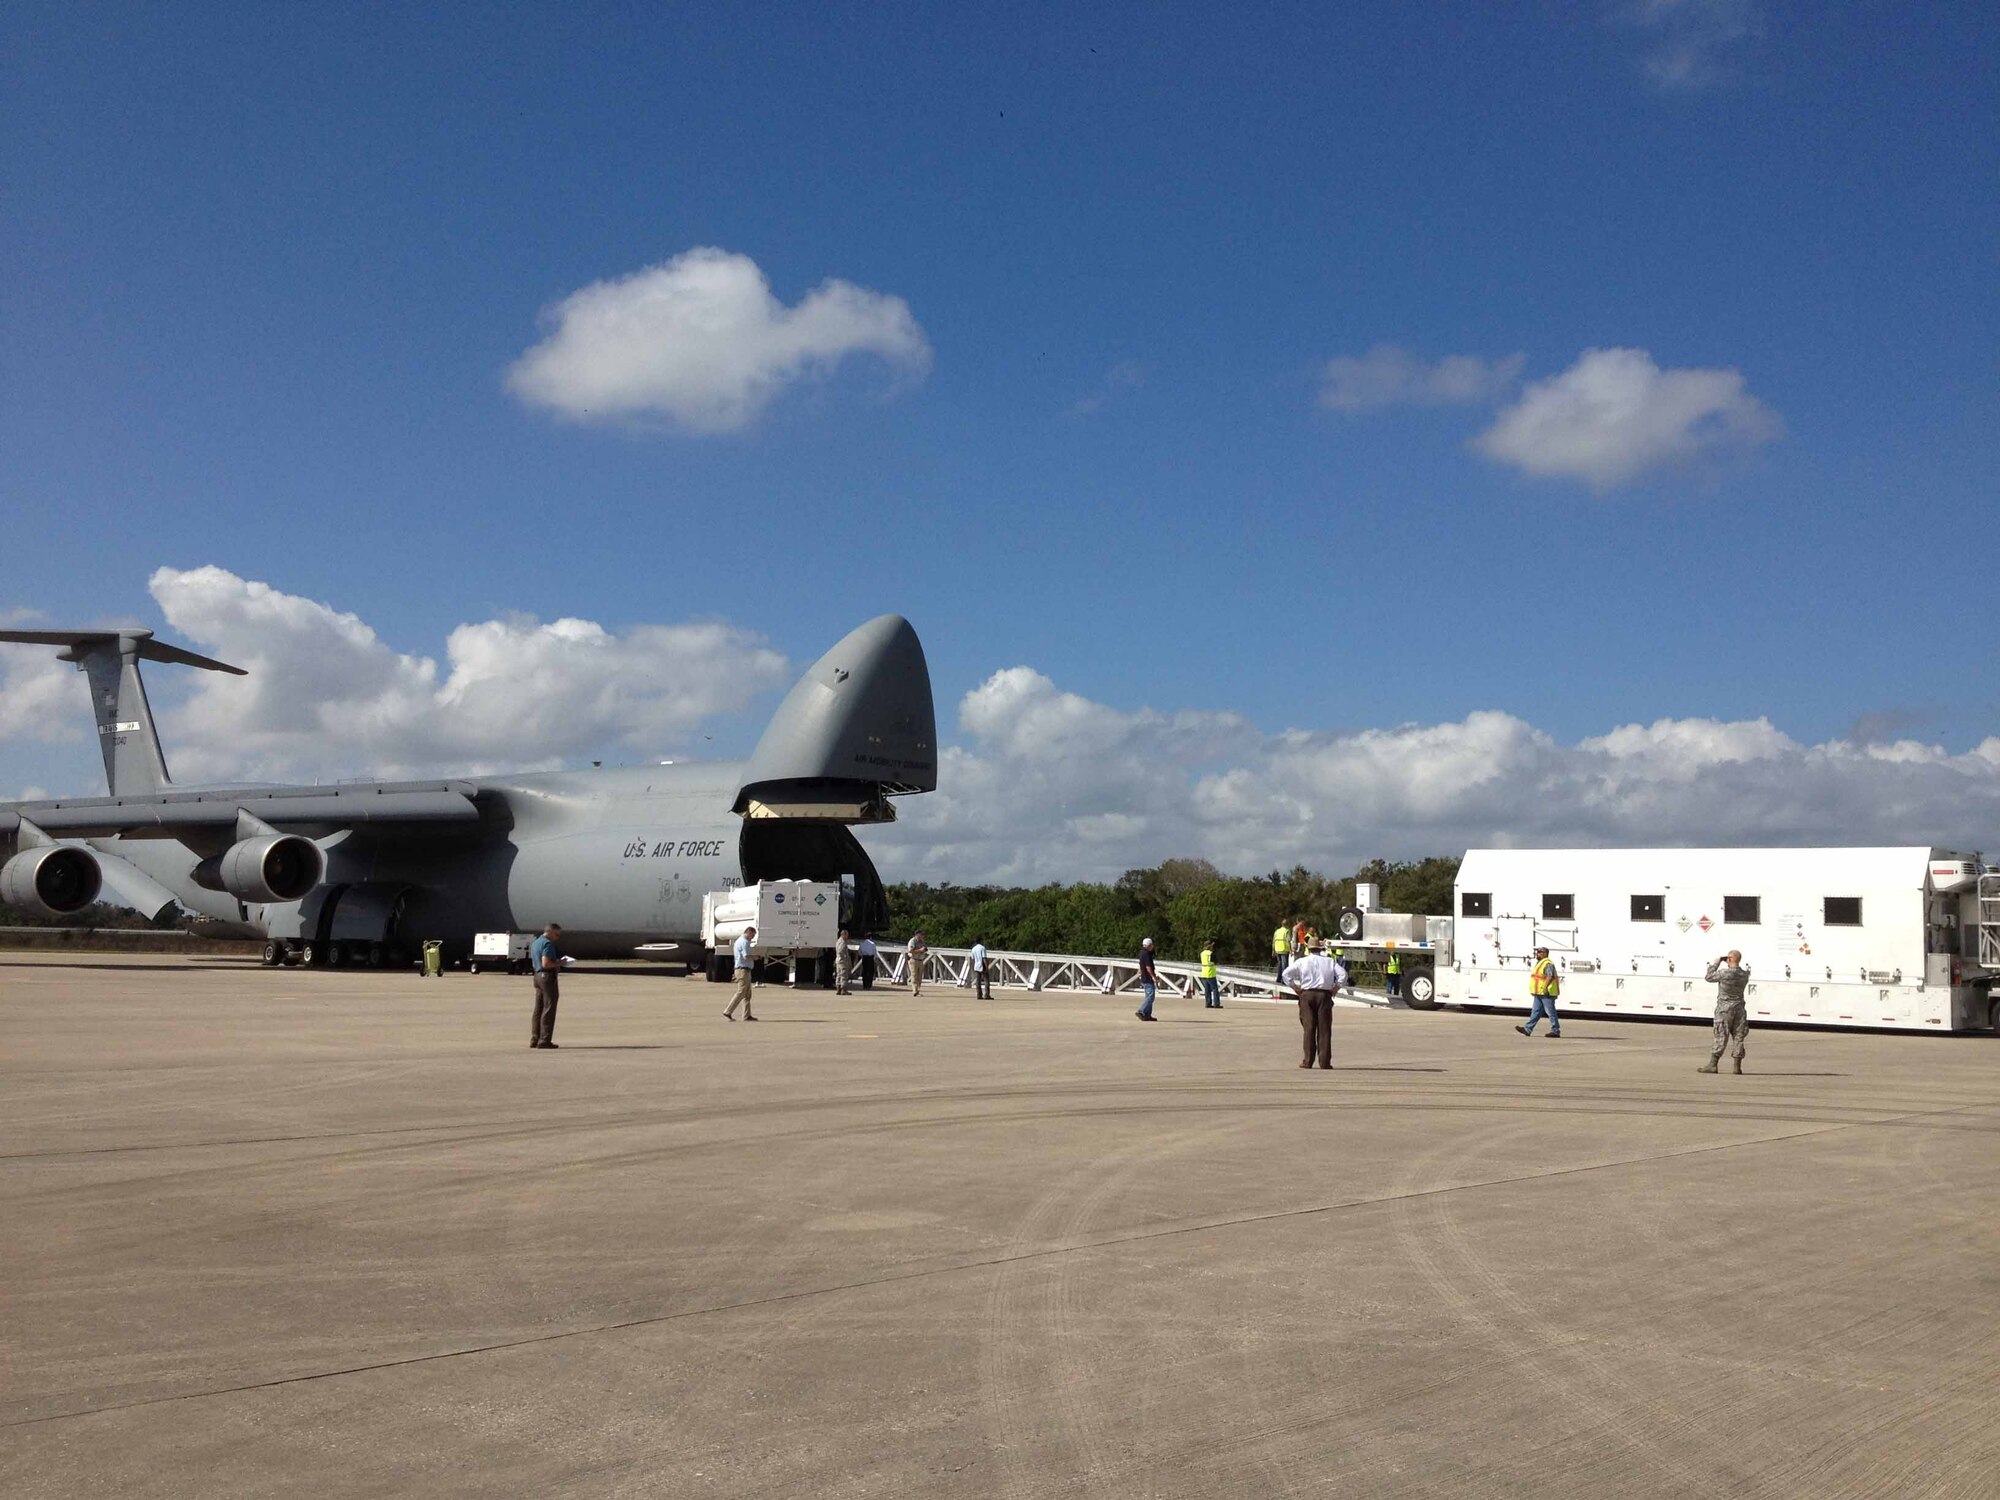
1149 980
1544 984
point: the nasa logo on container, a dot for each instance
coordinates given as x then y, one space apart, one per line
777 898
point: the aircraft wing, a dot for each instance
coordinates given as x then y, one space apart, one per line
171 814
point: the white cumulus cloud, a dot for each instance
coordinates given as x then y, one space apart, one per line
1389 376
700 341
1050 785
1615 415
325 695
41 699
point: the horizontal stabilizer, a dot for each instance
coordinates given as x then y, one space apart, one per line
143 646
133 761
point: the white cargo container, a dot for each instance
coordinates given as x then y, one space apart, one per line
794 919
1887 937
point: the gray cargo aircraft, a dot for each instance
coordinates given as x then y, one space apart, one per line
362 872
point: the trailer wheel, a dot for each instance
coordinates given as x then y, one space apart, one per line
378 955
274 954
1350 924
1420 989
312 955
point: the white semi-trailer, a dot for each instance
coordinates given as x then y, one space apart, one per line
1833 937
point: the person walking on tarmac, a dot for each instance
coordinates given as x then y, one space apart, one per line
1281 948
1211 990
1730 976
913 957
1544 984
745 950
1392 974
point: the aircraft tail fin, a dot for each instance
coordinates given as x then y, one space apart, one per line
133 762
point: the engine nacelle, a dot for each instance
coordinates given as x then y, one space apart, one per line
275 867
53 880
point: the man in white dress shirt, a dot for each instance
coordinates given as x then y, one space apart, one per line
1315 978
746 963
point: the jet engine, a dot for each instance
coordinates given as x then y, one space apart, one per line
270 867
53 880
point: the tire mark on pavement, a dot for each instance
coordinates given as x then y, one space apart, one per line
1001 1259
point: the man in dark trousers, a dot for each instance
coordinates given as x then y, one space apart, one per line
545 962
1314 978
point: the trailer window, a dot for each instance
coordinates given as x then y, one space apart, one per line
1558 908
1843 911
1475 904
1745 909
1649 908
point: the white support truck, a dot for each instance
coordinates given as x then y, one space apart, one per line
1893 938
794 919
1364 933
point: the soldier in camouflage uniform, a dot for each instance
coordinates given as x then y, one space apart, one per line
1730 977
843 964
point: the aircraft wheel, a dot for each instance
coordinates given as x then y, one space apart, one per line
312 955
274 954
1420 989
336 955
378 955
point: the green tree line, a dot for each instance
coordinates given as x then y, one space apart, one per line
1179 904
97 914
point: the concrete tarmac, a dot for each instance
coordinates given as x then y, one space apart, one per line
344 1234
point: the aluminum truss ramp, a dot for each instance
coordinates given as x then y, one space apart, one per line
1075 973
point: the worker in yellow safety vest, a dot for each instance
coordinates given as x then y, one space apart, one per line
1392 974
1544 984
1211 991
1281 948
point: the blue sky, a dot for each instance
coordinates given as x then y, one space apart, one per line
265 271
